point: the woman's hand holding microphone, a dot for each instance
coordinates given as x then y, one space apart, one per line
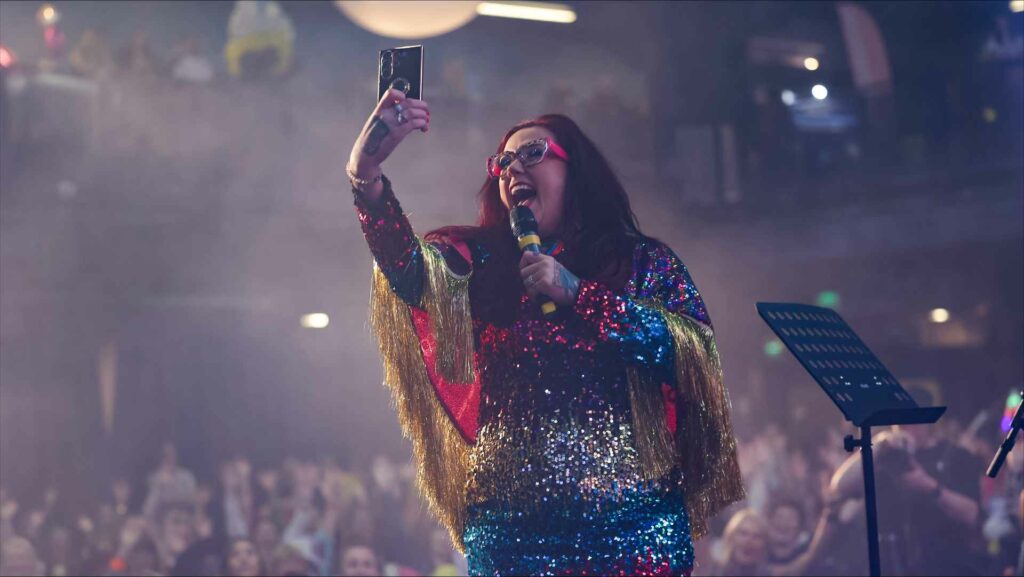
394 117
542 274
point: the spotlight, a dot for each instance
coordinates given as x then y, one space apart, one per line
819 92
939 315
47 15
811 63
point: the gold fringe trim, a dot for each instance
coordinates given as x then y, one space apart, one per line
446 299
704 447
651 435
440 453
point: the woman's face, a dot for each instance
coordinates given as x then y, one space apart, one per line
359 561
749 547
243 559
546 179
786 527
178 530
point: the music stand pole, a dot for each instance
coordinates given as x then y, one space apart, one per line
871 507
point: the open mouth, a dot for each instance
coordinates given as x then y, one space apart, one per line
522 194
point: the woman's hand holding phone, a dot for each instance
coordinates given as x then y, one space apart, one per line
394 117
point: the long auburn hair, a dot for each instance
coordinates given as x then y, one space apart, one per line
599 228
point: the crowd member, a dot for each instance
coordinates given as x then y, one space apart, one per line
59 553
18 557
1020 519
170 483
243 559
102 533
121 493
288 560
388 499
8 509
173 529
202 557
137 57
787 538
359 559
136 553
92 57
238 497
744 547
311 528
266 536
926 527
191 65
444 562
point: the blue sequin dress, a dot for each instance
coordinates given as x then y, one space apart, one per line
554 481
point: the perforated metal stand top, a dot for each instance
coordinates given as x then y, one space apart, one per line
849 373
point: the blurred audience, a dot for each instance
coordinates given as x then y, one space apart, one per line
317 518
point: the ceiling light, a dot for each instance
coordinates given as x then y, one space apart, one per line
542 11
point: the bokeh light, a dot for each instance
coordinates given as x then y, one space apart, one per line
316 321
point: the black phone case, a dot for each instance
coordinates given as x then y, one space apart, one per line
402 67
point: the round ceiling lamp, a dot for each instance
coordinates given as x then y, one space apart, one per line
408 19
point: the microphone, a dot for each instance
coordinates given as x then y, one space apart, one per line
524 227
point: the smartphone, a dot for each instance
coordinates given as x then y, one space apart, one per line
401 68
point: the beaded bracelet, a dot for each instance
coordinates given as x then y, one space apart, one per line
360 183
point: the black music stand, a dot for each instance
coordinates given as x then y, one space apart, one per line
856 381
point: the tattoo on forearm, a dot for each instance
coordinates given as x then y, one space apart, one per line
568 282
378 130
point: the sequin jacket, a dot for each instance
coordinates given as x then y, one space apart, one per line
542 413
